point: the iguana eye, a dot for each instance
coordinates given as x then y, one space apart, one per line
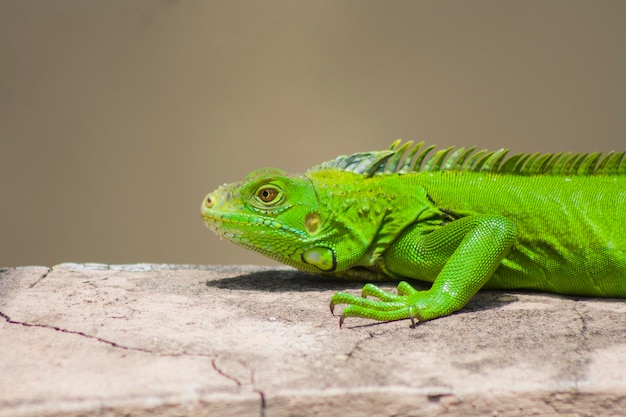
268 194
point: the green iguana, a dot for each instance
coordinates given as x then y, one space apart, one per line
460 219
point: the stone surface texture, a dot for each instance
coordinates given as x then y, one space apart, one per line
180 340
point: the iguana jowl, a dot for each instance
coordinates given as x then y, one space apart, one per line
461 219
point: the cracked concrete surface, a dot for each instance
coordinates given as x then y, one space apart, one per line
174 340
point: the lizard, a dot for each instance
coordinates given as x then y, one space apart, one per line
457 218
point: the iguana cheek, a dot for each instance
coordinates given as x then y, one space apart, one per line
312 223
322 258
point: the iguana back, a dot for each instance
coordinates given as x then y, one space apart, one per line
570 230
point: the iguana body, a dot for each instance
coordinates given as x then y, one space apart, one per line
462 220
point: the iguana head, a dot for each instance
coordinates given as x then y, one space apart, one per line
324 221
340 214
274 214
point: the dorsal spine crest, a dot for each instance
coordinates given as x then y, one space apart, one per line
402 158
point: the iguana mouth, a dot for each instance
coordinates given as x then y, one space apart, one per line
213 224
226 225
237 227
238 219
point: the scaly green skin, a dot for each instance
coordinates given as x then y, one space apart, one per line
461 220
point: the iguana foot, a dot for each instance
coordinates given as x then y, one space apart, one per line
388 307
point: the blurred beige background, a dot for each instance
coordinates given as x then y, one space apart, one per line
117 117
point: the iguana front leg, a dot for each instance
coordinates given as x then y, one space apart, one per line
459 258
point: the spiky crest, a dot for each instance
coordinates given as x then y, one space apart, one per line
403 158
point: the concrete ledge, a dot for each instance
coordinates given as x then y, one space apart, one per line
172 340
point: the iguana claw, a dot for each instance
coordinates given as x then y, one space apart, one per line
412 317
341 320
